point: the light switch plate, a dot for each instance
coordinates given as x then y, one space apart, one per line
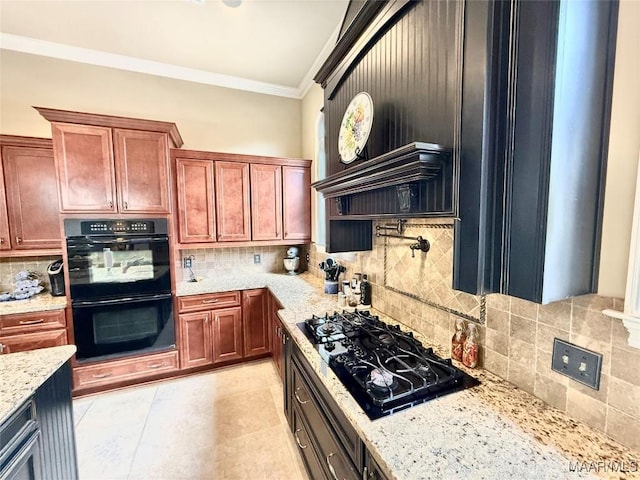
256 258
577 363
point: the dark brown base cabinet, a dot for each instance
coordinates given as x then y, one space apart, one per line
38 440
329 445
221 328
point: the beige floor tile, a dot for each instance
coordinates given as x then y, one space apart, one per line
261 455
244 413
226 424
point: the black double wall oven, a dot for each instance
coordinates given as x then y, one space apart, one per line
120 285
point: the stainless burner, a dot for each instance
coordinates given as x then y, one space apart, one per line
386 339
327 328
381 378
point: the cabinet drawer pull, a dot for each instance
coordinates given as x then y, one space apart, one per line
213 300
331 469
368 475
1 348
101 375
295 393
31 322
126 205
18 240
110 204
1 240
295 434
156 365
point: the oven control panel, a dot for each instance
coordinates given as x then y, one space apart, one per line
116 226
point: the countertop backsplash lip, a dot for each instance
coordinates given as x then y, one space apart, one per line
551 441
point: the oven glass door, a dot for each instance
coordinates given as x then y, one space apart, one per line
127 326
108 267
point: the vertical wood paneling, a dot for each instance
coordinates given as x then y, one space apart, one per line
55 417
412 74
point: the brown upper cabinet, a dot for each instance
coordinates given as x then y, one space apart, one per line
196 200
28 197
266 202
297 202
108 164
225 197
232 201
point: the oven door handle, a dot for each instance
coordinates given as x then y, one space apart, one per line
128 240
115 301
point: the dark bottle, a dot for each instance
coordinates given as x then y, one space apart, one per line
365 290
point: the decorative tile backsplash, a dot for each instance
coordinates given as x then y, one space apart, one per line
10 266
517 338
427 276
208 263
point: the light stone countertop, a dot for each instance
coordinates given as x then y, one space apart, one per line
22 373
491 431
38 303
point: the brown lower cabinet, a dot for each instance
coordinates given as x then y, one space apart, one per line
28 331
124 370
220 328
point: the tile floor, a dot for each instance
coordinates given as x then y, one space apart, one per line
226 424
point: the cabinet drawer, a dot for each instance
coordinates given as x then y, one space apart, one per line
32 322
33 341
306 448
123 370
332 453
305 387
208 301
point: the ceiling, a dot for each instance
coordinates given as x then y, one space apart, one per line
267 46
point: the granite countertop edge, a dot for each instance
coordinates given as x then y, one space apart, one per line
490 431
39 303
22 373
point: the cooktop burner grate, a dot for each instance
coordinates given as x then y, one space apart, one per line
385 368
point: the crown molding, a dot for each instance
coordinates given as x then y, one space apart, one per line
44 48
307 82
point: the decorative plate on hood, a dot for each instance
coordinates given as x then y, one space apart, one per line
355 128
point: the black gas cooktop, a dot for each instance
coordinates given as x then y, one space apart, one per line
384 368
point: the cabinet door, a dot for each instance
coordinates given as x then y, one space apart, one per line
296 199
266 202
196 348
84 163
5 244
232 201
255 322
227 334
33 341
32 197
196 220
142 168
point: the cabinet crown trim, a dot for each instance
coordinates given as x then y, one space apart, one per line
112 121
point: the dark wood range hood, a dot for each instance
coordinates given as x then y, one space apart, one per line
412 163
522 106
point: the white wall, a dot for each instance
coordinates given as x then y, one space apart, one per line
311 105
208 117
624 146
